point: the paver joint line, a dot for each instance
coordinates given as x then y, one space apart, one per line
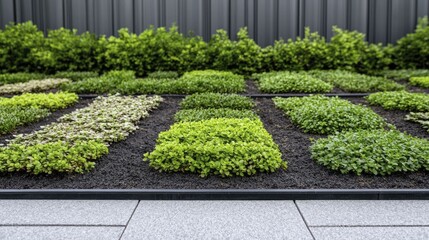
132 214
305 221
366 226
59 225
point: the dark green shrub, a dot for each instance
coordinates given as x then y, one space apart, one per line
195 115
412 51
420 81
327 115
76 76
310 52
400 101
376 152
354 82
216 100
225 147
51 157
375 57
12 117
51 101
163 75
9 78
286 82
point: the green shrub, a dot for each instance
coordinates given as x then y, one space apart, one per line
10 78
412 51
75 76
327 115
404 74
420 81
216 100
195 115
310 52
354 82
293 82
225 147
51 157
163 75
12 117
33 86
400 101
51 101
375 57
376 152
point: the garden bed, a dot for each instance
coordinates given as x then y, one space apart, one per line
123 167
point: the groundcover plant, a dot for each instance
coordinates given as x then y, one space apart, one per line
420 81
9 78
404 74
32 86
12 117
290 82
75 76
327 115
419 117
76 139
50 101
401 100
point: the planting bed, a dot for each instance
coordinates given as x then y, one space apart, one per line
123 167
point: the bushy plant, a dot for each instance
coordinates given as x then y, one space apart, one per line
10 78
354 82
12 117
216 100
401 100
288 82
420 81
310 52
374 57
75 76
225 147
51 101
327 115
163 75
376 152
412 51
195 115
33 86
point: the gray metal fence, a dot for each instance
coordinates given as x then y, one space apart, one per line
267 20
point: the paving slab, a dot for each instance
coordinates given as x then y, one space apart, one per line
65 212
216 220
370 233
56 233
365 213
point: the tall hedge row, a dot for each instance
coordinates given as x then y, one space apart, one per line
23 47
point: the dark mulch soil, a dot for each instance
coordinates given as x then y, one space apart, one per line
412 88
123 166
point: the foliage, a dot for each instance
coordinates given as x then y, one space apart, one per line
216 100
10 78
51 101
195 115
419 117
373 152
310 52
374 57
51 157
225 147
75 76
412 51
163 75
354 82
32 86
12 117
327 115
420 81
400 101
404 73
288 82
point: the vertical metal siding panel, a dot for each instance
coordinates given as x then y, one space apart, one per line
422 8
24 10
172 12
359 16
266 22
6 12
53 14
381 21
124 17
250 19
288 19
220 13
238 13
103 17
90 4
403 22
78 14
194 20
150 14
313 15
336 15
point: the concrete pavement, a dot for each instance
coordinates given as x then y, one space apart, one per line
128 220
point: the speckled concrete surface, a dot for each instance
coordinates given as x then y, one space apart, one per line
371 233
216 220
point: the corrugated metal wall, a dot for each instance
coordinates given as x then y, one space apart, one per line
267 20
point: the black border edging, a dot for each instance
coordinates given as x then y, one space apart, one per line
216 194
286 95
